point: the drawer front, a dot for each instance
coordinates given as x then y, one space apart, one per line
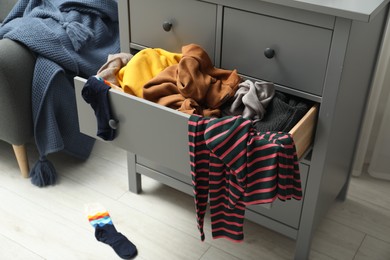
286 212
184 177
297 62
147 129
192 22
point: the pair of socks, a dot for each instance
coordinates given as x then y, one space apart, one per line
106 232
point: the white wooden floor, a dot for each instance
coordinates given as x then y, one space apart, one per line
50 223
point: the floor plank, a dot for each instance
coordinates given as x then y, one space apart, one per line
363 216
48 234
336 240
217 254
373 248
12 250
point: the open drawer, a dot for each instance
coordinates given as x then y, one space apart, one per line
159 133
158 136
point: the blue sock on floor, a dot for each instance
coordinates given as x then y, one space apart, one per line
106 232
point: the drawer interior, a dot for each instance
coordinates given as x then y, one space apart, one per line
303 131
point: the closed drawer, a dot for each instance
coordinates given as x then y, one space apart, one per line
300 51
286 212
179 176
191 22
160 134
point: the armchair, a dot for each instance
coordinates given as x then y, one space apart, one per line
43 46
16 71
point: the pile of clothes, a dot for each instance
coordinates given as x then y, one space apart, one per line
189 82
240 150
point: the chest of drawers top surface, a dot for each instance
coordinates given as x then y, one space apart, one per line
361 10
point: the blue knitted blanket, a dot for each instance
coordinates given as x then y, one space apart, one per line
69 38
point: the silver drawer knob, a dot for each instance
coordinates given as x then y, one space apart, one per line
269 53
167 26
113 123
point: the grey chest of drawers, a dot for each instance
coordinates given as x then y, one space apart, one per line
323 51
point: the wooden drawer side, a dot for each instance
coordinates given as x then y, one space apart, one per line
303 131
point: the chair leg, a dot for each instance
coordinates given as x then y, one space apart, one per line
21 157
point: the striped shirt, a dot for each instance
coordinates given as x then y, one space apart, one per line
233 165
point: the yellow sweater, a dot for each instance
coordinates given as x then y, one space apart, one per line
144 66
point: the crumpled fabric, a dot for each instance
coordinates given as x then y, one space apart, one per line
251 100
283 113
194 85
109 70
142 67
233 166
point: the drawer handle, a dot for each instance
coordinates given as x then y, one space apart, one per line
167 26
269 53
113 123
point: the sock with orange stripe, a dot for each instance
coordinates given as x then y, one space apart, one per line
106 232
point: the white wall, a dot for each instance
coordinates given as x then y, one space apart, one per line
376 106
379 164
